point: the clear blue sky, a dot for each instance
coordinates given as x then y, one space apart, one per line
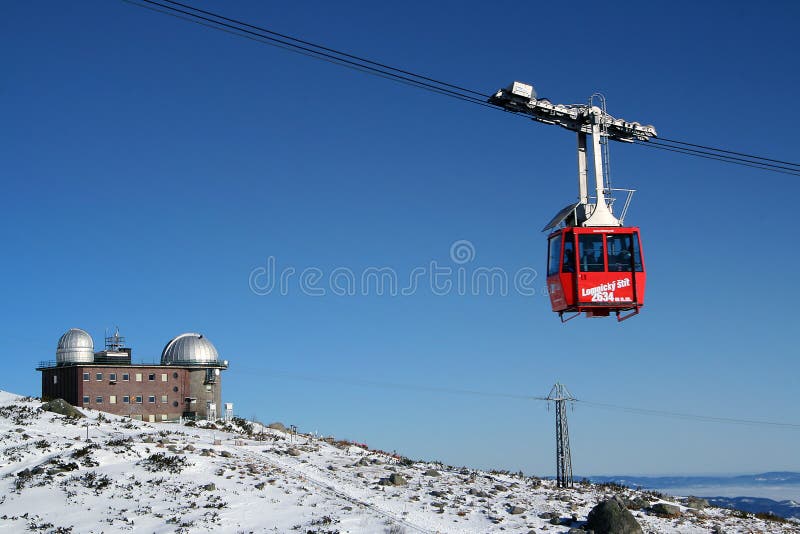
148 165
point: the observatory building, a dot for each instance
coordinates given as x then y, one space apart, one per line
186 383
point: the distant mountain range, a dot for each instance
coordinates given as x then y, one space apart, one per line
710 487
782 478
787 509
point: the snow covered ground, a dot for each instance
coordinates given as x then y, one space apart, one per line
161 477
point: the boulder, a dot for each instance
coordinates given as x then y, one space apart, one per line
293 452
516 510
696 502
277 426
612 517
62 407
394 479
637 503
432 473
663 509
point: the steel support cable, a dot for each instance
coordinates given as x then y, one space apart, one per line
327 49
515 396
294 50
343 61
729 158
715 158
730 152
307 48
391 385
691 417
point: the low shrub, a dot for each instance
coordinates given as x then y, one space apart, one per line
161 462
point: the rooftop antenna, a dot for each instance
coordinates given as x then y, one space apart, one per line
560 395
114 342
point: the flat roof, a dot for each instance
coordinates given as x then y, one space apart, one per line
218 364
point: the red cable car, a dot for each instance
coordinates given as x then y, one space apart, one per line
596 270
594 261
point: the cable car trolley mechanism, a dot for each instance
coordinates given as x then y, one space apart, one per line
594 262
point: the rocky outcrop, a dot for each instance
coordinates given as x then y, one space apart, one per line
612 517
663 509
394 479
62 407
697 503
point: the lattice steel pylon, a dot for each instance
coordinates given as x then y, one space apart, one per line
560 396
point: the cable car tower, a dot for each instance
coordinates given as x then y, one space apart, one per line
560 395
595 263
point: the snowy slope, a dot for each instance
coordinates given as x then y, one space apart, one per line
150 477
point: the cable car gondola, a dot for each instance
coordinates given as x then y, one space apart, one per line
594 262
596 270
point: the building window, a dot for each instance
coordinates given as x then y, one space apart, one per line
85 377
163 377
112 377
163 417
174 375
151 377
137 416
175 403
98 400
99 377
125 377
112 399
151 399
138 399
126 399
175 389
55 379
208 388
138 377
163 399
86 400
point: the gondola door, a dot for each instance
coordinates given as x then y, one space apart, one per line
593 288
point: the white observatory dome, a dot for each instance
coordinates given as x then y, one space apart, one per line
189 348
75 346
